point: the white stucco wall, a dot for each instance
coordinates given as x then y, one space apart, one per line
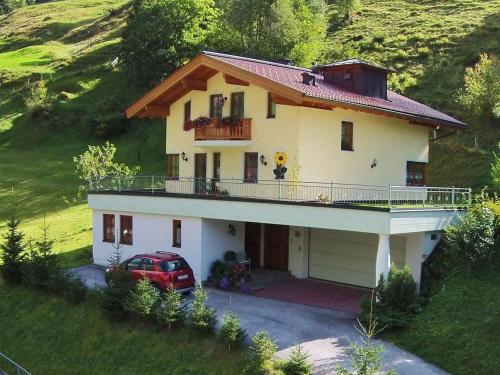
216 241
298 252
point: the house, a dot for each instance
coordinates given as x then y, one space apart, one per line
318 172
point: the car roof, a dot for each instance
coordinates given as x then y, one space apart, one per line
161 255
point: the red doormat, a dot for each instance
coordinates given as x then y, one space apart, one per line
316 293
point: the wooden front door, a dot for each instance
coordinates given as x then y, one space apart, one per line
276 247
252 243
200 172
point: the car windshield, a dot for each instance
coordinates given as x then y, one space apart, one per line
174 265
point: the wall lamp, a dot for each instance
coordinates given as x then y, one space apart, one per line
263 159
374 163
231 229
183 156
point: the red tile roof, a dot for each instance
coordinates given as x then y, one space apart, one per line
290 76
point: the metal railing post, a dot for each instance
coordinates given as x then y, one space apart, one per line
390 196
331 192
279 189
152 184
453 197
119 183
424 195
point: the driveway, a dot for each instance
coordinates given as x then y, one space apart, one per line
326 334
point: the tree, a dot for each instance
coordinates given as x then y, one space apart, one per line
162 35
298 363
472 239
347 7
41 267
97 162
38 95
12 252
366 358
261 352
275 29
495 170
142 298
231 332
481 91
202 317
170 310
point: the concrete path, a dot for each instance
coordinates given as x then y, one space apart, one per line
326 334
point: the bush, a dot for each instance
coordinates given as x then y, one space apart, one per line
142 299
12 252
231 332
397 300
107 119
74 289
471 241
261 353
202 317
298 363
230 256
170 311
218 270
114 296
37 97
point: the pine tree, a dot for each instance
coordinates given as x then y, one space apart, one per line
12 252
231 332
170 311
202 317
298 363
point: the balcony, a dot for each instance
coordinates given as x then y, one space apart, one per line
375 197
217 135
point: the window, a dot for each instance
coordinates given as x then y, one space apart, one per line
134 264
126 229
271 106
251 166
415 173
148 265
216 103
238 104
347 132
216 166
187 111
108 228
177 233
173 166
174 265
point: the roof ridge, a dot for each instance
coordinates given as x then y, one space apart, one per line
211 53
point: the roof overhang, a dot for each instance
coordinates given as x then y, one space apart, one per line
194 75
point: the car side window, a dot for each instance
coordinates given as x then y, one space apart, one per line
134 264
148 265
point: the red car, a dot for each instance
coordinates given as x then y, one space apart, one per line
164 269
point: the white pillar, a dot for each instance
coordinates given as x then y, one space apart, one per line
383 263
414 254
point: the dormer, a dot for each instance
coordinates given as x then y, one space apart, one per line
359 76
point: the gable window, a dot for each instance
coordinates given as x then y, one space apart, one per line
415 173
126 229
271 106
251 167
238 104
108 221
173 166
176 233
347 136
187 111
216 106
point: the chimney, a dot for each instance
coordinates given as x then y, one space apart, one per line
358 76
308 79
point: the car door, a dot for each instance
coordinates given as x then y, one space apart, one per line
134 267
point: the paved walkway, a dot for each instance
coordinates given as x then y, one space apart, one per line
326 334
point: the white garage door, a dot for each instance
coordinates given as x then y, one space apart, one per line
345 257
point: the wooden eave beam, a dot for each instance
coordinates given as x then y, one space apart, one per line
154 111
281 100
194 84
234 81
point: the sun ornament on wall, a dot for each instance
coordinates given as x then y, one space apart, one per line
280 159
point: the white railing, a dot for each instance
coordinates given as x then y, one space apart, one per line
12 365
330 193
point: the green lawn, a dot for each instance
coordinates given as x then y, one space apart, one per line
46 335
460 327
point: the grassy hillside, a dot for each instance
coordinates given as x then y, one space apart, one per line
35 327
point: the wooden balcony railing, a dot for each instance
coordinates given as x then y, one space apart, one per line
214 131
